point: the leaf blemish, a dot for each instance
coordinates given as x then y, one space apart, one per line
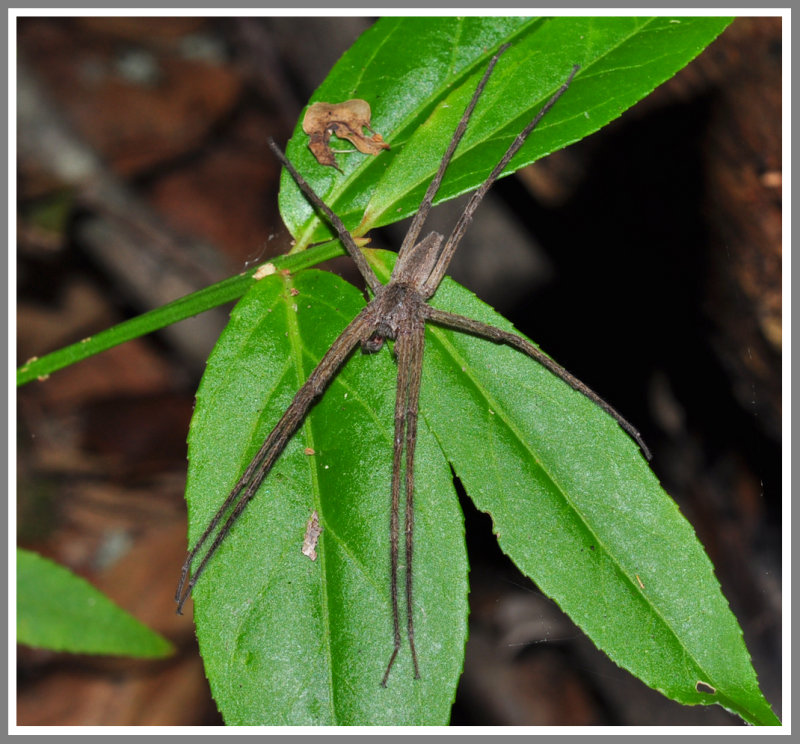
313 531
266 270
705 687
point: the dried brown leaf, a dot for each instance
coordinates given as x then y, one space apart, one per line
346 120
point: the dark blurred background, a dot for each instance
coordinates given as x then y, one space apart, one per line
646 259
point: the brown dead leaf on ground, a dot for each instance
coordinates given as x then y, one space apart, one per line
346 120
138 105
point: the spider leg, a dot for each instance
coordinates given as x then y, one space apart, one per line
416 352
476 328
408 350
246 488
397 473
466 217
425 207
347 240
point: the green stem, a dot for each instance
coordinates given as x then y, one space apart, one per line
185 307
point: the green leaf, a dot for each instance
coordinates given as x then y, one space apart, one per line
61 611
577 508
419 73
574 504
287 640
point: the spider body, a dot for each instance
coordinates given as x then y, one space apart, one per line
401 303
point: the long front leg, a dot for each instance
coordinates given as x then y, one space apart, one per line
450 246
425 207
476 328
245 489
347 240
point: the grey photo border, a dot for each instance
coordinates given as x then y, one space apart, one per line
328 7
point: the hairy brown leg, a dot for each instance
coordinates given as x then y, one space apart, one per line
476 328
425 206
347 239
242 493
416 354
460 228
401 352
408 350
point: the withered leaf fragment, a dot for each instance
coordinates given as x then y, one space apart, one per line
347 121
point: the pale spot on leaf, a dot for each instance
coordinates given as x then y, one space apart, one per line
265 270
313 531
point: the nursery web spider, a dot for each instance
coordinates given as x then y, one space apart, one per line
399 311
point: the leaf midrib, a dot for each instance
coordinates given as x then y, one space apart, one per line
297 353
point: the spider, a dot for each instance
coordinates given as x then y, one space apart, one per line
398 311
